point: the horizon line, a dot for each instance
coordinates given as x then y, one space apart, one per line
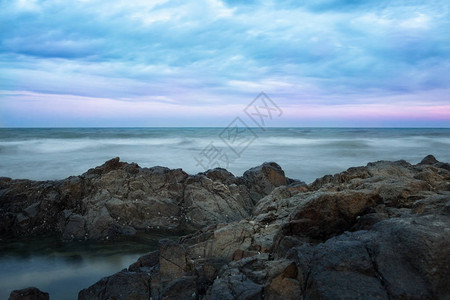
221 127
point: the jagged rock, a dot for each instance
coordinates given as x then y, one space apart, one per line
221 175
263 179
429 160
118 198
208 202
30 293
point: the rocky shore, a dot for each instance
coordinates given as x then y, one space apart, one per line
118 198
376 232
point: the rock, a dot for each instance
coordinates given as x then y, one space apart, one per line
286 285
30 293
172 260
232 284
429 160
263 179
253 277
124 285
374 232
221 175
221 242
339 269
145 263
391 262
118 198
325 214
208 202
100 224
75 228
240 254
110 165
273 201
184 287
411 256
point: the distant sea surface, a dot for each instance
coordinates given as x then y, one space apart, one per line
304 153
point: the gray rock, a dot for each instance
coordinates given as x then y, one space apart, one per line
118 198
75 227
30 293
232 284
429 160
124 285
263 179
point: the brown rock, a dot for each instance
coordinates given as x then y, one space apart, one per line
263 179
172 260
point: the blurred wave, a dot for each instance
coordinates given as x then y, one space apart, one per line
304 153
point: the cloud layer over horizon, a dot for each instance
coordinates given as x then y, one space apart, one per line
199 63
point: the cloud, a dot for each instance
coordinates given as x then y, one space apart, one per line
206 52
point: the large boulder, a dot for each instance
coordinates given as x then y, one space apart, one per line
395 260
208 202
263 179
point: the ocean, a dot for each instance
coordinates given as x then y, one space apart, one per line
303 153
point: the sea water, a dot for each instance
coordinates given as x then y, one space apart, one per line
64 268
303 153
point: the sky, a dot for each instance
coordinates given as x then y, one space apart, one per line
91 63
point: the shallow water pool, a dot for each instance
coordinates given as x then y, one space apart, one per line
64 268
